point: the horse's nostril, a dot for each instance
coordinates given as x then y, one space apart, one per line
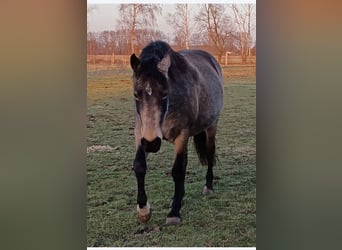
151 146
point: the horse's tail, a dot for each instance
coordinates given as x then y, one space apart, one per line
200 142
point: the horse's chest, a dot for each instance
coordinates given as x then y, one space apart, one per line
171 128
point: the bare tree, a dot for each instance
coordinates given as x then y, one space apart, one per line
144 37
107 42
180 21
121 41
213 21
91 46
137 16
244 16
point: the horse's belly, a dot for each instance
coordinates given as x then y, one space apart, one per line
175 122
201 125
207 116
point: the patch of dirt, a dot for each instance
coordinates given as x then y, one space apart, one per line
99 148
147 230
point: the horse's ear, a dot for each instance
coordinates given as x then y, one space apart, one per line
164 64
135 62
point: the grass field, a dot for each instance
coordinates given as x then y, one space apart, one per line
227 218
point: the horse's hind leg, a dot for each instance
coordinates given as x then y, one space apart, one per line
210 148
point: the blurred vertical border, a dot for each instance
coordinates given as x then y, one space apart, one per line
299 121
43 128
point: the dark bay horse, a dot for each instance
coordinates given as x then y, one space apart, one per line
177 95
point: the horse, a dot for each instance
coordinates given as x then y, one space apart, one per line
177 95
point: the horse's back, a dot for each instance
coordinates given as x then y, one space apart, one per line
209 86
202 60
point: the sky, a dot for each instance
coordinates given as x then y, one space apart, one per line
106 12
104 17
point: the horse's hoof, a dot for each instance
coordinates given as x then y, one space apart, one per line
207 191
173 221
145 213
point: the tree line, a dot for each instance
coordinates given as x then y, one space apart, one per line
218 28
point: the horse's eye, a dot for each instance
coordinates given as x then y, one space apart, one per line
164 95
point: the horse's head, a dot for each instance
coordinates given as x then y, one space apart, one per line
151 99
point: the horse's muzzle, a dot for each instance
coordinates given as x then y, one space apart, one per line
151 146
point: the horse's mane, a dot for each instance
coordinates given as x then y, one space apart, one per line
153 53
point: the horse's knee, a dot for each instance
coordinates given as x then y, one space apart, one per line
178 174
139 168
139 164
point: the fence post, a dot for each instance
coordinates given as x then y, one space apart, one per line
112 58
226 61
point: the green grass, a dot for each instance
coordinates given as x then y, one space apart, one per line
227 218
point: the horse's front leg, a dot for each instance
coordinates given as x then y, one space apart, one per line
178 174
139 166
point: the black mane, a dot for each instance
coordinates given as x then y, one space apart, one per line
153 53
